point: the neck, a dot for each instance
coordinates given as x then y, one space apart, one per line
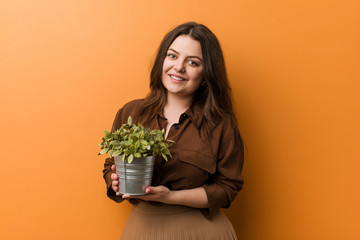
178 102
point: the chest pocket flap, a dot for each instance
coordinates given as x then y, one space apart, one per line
203 161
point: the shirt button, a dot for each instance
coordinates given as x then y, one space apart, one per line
176 126
183 116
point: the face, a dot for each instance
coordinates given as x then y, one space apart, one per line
183 67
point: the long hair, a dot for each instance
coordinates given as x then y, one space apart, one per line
214 96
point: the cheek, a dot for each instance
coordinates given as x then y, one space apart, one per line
198 75
166 66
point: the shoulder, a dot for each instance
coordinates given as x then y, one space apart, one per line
131 108
133 104
228 120
226 130
229 140
226 124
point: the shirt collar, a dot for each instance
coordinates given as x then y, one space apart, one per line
194 112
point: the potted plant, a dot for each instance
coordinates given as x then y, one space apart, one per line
135 148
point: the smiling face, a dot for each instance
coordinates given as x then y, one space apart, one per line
183 67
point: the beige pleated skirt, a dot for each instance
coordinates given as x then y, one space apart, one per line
174 222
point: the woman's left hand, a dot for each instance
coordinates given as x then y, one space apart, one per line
158 194
195 197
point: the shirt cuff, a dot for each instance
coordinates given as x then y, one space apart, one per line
217 198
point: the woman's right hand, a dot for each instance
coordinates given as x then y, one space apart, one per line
115 181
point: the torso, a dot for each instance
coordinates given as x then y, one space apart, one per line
194 154
212 160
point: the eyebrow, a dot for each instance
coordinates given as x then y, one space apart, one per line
188 56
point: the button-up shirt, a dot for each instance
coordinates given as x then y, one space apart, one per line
209 159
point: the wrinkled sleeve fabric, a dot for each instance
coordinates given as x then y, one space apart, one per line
107 177
227 181
110 161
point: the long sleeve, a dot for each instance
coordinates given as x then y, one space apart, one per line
107 177
227 181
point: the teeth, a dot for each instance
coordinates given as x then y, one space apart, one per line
176 78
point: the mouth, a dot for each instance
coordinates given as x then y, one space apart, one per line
176 78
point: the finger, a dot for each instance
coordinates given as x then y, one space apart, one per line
115 188
142 197
114 185
152 190
149 190
114 176
113 168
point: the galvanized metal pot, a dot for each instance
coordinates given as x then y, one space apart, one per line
136 176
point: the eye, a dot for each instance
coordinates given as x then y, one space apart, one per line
170 55
194 63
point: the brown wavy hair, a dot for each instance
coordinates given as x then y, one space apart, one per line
214 98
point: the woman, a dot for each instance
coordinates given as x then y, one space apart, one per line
189 98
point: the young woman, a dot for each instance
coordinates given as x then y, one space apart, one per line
190 98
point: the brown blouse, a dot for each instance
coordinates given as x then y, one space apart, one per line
213 162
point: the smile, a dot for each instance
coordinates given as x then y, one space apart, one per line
176 78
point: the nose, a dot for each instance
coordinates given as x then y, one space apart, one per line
179 66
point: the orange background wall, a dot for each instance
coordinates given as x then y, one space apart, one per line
67 66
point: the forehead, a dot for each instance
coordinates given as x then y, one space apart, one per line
186 45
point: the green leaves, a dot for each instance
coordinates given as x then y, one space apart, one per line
115 143
130 158
135 141
105 150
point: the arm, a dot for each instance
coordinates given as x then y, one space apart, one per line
195 197
225 183
222 186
